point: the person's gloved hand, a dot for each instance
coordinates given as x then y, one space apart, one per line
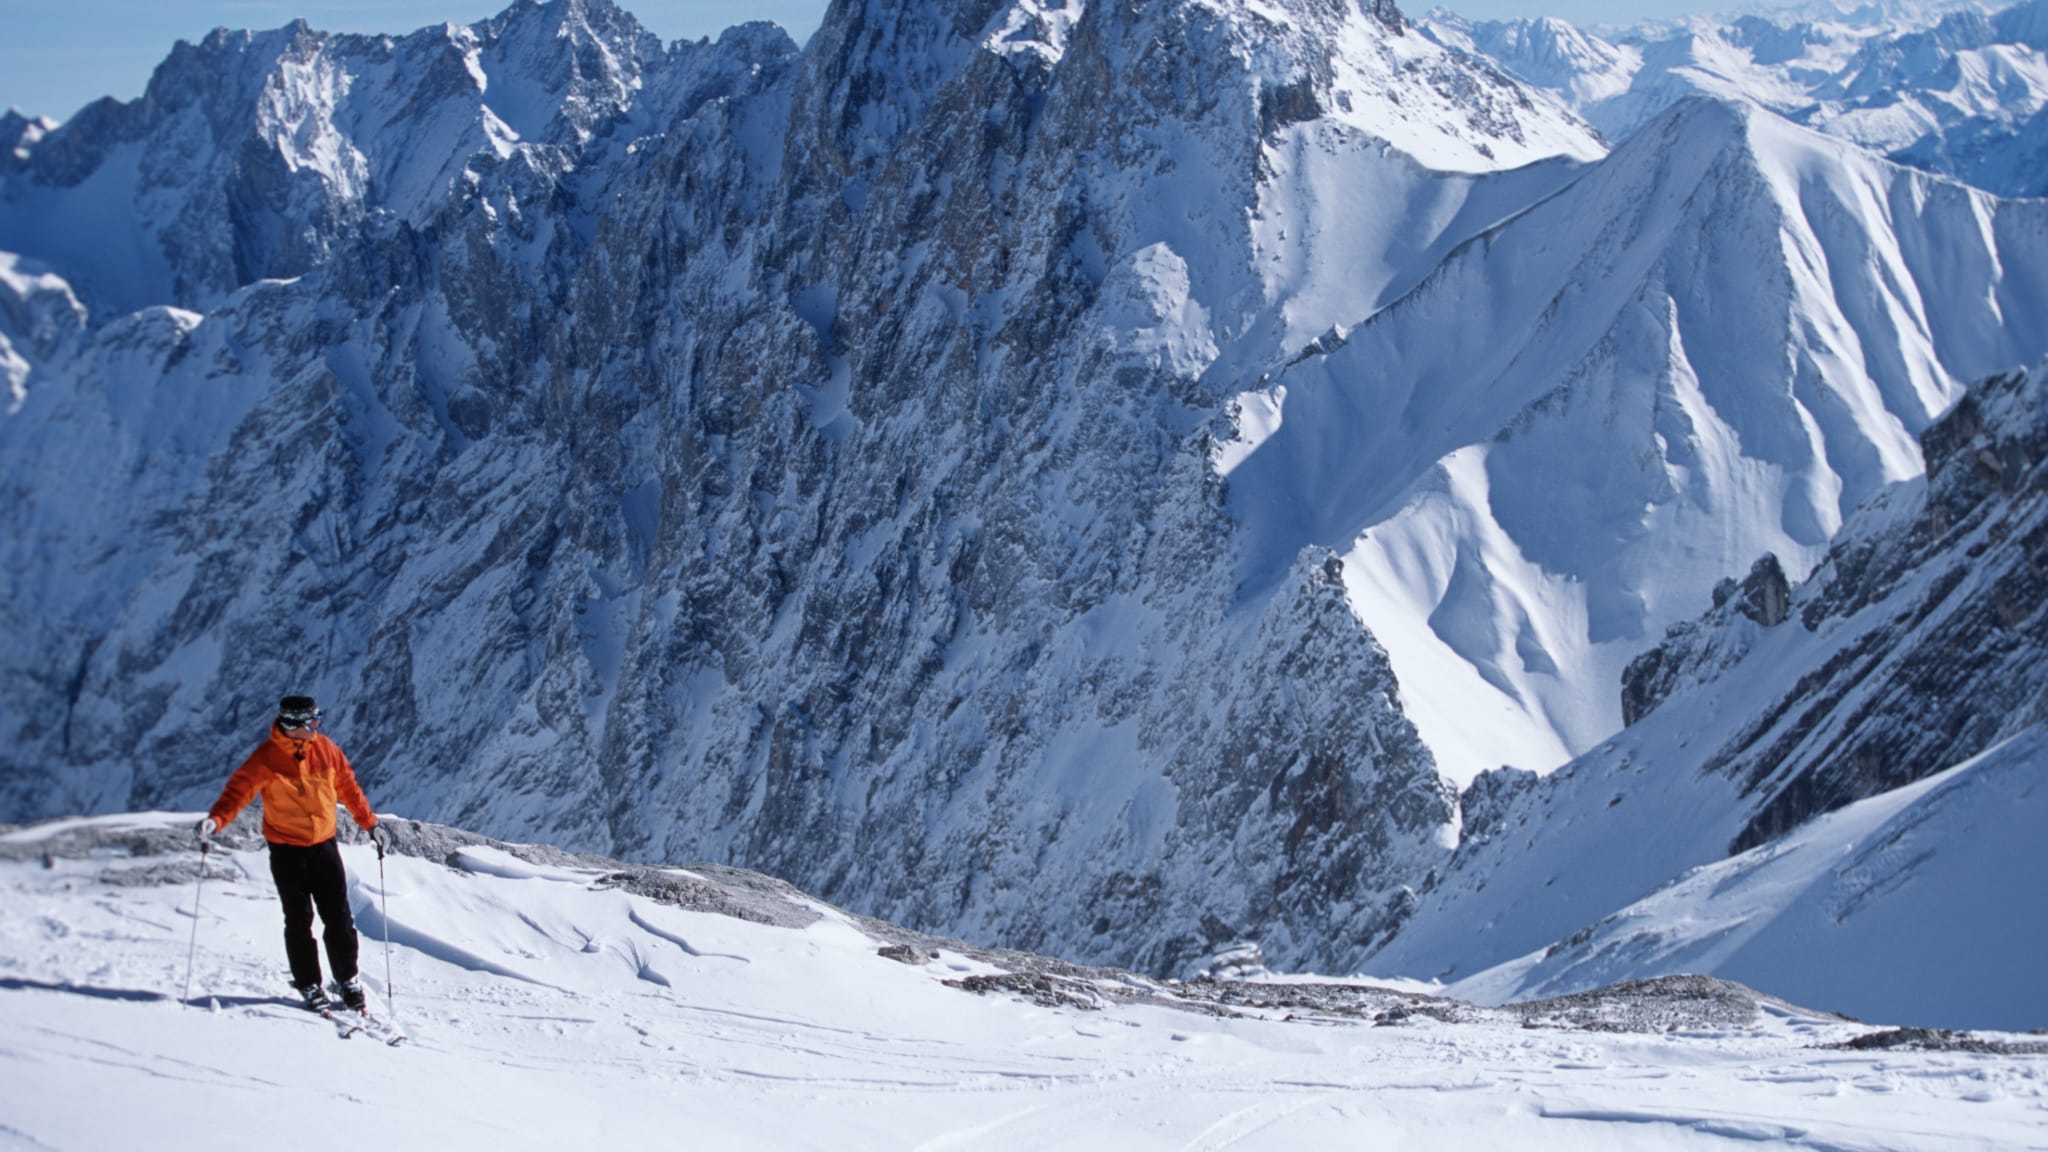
380 838
205 829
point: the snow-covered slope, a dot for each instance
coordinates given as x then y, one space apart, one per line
1712 345
1925 904
557 1002
1915 648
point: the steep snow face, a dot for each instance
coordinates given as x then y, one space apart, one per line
1867 910
1752 321
1914 647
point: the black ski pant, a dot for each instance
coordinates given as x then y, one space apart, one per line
310 877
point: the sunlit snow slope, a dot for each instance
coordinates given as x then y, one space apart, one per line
1927 904
551 1007
1713 344
1830 789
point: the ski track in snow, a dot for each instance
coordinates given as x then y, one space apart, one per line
814 1041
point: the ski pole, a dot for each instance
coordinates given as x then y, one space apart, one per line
384 895
192 953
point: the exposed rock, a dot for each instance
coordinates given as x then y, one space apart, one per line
1940 608
1484 805
1692 651
1938 1040
1765 596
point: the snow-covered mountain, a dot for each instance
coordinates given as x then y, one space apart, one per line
569 1002
1090 478
1901 687
1953 89
1749 320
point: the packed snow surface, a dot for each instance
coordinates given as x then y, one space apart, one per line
549 1007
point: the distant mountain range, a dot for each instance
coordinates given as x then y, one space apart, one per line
1953 89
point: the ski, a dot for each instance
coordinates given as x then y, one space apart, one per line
375 1027
343 1026
347 1022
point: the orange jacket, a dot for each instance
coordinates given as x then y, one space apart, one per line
300 782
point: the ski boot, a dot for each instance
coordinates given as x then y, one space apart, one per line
351 991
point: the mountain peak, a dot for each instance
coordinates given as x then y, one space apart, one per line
561 68
19 134
566 16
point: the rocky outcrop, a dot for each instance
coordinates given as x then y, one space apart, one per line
1486 806
1941 615
1695 650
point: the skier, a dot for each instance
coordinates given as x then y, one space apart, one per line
301 775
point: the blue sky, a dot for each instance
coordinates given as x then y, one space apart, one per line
58 55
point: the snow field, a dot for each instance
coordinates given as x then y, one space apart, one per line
548 1012
1881 906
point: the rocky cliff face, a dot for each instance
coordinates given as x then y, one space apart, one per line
721 451
1696 650
824 461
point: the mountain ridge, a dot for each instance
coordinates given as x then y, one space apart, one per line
1957 90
